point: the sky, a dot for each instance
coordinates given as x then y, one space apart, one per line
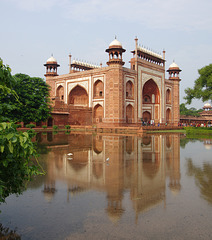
33 30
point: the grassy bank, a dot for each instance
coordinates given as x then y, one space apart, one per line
199 132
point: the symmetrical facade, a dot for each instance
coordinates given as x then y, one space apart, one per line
115 95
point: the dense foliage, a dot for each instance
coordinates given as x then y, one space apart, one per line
16 147
189 112
6 90
16 167
33 100
202 87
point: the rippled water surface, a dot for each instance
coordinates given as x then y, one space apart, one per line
116 187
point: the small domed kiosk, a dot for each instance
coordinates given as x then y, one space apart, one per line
207 107
51 67
174 71
115 51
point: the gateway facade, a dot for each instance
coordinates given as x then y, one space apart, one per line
116 95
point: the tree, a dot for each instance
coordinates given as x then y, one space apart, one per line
16 147
6 89
202 86
189 112
34 102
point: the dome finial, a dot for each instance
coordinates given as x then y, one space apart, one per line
115 36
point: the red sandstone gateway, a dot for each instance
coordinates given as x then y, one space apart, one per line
114 95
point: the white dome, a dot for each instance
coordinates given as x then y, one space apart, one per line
115 42
51 59
173 65
207 105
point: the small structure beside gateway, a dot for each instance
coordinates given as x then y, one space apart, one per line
115 95
205 117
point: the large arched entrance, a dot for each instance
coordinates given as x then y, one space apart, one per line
78 97
129 114
151 100
98 113
80 113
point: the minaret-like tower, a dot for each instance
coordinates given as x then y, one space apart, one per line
51 67
114 85
115 51
174 71
51 72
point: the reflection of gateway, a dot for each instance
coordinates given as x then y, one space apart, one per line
137 165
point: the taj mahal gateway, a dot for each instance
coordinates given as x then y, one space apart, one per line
115 95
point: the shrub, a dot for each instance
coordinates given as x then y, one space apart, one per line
17 125
44 126
67 126
55 127
30 125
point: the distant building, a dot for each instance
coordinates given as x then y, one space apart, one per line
205 116
114 94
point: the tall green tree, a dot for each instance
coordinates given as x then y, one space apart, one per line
16 147
7 83
34 101
202 86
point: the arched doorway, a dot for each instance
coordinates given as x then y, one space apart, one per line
151 92
129 114
146 116
168 115
98 113
78 97
151 99
50 122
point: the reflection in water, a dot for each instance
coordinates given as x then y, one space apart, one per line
7 234
138 165
203 178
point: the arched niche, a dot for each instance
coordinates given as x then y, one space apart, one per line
129 113
98 113
168 96
60 93
168 115
129 90
98 90
78 97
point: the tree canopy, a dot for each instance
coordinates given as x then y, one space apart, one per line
33 104
202 86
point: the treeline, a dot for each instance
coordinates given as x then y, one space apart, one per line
189 111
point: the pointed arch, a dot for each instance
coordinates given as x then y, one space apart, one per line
78 97
168 96
168 115
98 90
129 113
60 93
146 116
151 92
98 113
129 90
